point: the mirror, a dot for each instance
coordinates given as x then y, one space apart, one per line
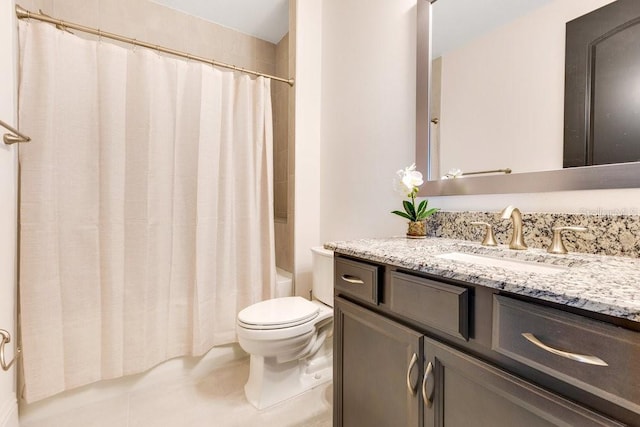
497 98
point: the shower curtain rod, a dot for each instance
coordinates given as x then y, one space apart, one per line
22 13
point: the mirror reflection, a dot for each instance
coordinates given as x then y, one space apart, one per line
497 88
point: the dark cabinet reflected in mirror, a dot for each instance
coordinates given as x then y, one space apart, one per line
602 86
498 99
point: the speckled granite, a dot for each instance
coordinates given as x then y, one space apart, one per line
617 235
602 284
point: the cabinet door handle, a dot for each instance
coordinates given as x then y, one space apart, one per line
582 358
352 279
414 360
427 397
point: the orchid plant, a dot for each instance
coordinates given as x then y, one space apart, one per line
408 182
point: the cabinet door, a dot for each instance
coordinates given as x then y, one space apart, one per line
460 390
376 370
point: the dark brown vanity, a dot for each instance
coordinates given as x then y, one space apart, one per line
415 349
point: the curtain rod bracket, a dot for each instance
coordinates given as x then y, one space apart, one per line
21 12
15 136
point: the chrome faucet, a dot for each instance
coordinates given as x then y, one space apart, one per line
517 238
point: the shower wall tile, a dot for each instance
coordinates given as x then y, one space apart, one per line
265 67
281 174
291 41
204 38
236 43
124 18
264 51
164 26
281 202
161 25
34 5
282 54
83 12
284 255
283 164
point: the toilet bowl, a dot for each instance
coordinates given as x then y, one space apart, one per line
289 339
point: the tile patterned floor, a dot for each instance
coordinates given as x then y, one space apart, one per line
216 401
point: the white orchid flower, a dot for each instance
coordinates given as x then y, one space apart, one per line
409 179
407 182
452 174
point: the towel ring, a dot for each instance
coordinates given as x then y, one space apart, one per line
6 338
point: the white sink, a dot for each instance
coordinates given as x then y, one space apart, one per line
509 264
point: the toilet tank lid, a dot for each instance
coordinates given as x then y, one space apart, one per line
279 311
322 251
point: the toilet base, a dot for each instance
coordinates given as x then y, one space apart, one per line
271 383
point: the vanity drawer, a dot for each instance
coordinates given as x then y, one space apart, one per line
597 357
436 304
357 279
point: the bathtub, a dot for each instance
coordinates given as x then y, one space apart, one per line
284 283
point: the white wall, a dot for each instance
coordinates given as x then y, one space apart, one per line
355 120
505 90
308 47
368 114
8 201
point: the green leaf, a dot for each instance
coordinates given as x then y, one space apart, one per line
422 207
428 213
410 209
402 214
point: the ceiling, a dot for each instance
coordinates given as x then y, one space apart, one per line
265 19
454 21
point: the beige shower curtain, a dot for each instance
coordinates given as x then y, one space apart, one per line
146 213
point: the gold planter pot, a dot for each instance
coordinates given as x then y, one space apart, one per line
417 229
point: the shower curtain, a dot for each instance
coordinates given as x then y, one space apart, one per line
146 218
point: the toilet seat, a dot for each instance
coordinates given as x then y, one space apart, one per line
278 313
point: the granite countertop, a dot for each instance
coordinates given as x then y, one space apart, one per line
603 284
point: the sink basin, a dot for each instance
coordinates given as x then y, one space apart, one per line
509 264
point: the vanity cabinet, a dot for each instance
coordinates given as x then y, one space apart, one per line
420 354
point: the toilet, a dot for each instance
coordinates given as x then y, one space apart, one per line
289 339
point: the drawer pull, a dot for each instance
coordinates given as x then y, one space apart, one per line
427 397
582 358
412 389
352 279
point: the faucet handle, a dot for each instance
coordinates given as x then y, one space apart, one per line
489 238
557 245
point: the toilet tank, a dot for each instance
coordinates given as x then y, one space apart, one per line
322 274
